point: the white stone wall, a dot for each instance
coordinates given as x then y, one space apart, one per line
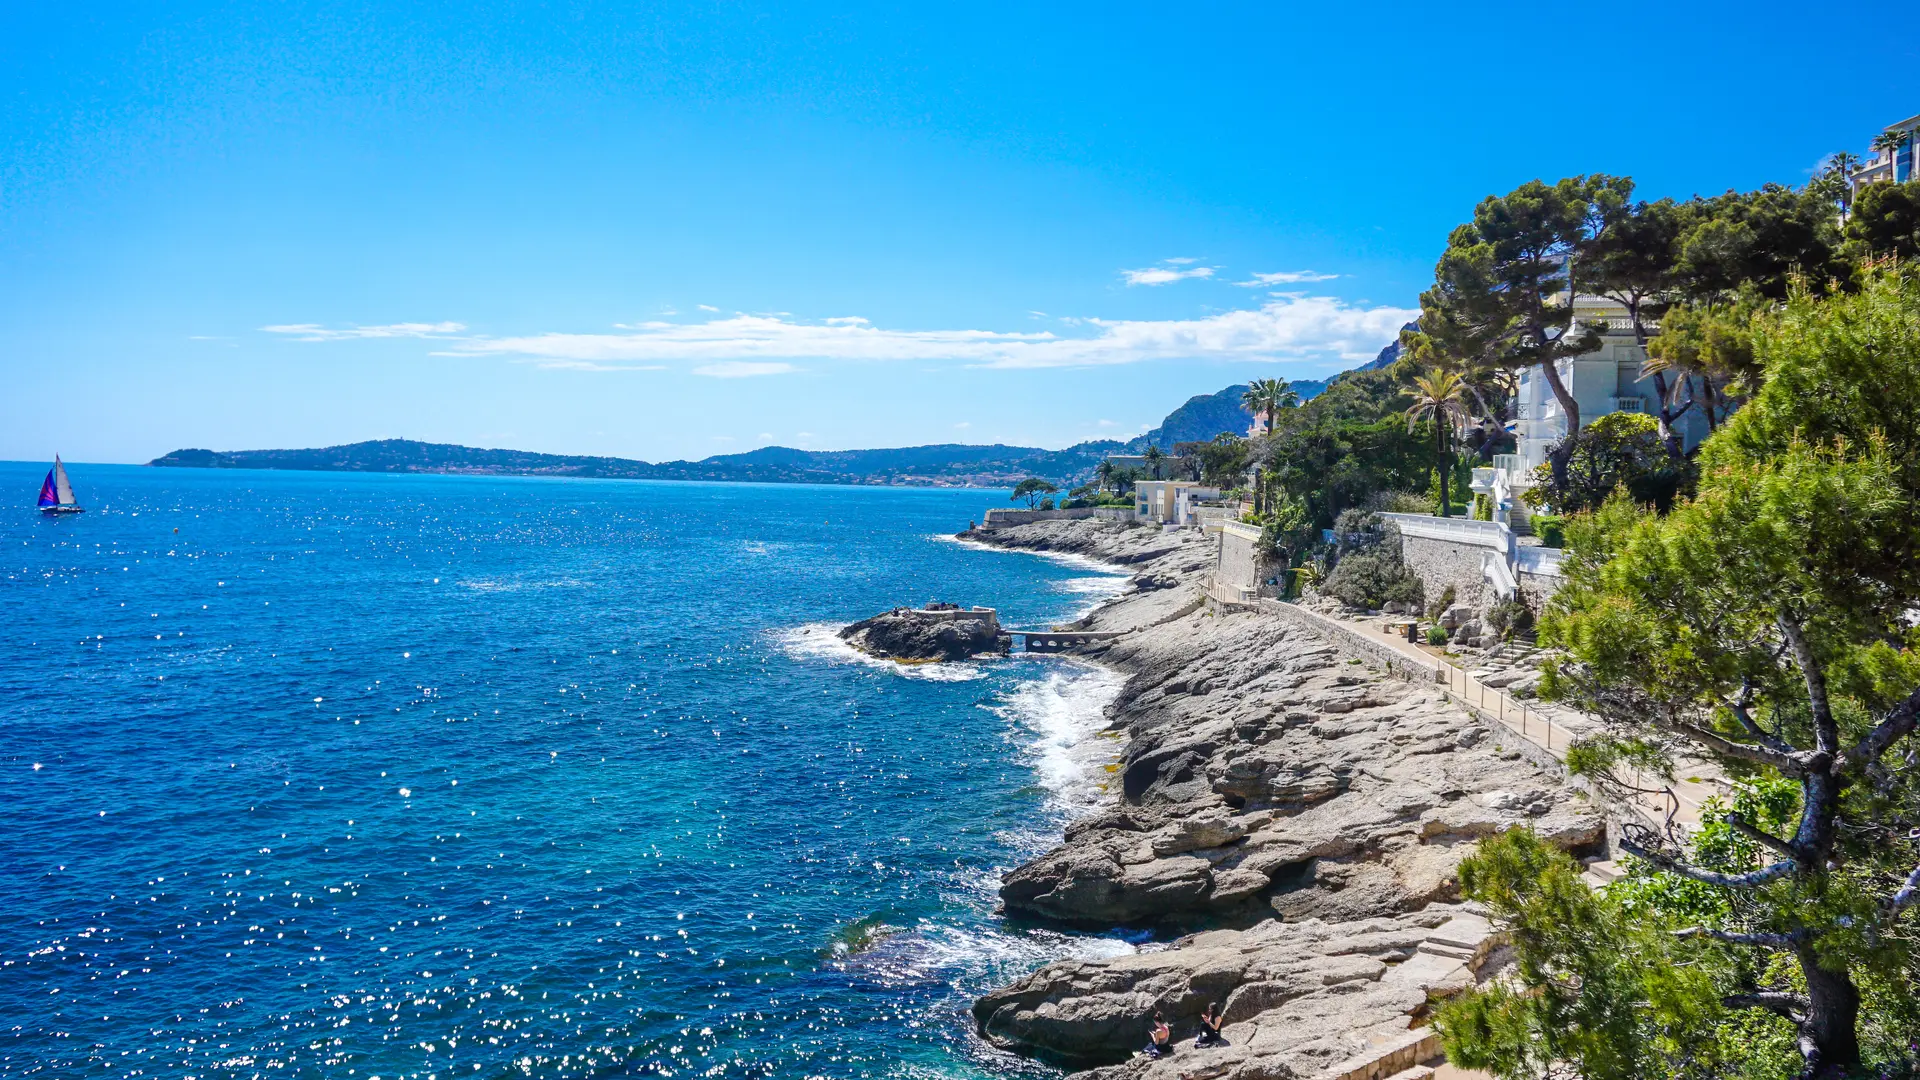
1238 563
999 517
1440 563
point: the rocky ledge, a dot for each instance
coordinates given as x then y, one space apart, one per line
935 632
1298 815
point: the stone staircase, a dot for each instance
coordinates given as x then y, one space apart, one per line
1519 520
1601 873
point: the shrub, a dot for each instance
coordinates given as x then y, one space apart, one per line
1439 607
1401 502
1510 617
1619 450
1371 574
1550 528
1436 636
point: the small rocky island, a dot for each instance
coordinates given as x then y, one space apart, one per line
935 632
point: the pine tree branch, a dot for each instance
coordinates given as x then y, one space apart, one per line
1742 709
1790 1006
1771 941
1740 825
1908 893
1898 725
1826 730
1750 880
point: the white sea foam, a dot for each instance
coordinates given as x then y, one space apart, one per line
1056 719
821 641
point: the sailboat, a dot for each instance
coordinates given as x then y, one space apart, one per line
56 493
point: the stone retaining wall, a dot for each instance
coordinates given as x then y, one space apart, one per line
1440 563
1001 517
1353 643
1239 561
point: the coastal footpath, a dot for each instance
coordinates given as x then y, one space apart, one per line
1289 816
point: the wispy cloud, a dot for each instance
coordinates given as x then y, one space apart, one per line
742 369
1284 277
1291 327
707 307
1168 272
316 332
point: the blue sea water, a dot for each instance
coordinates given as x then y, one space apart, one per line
430 777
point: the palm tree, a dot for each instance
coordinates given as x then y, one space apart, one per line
1439 396
1267 396
1889 142
1104 473
1153 457
1836 177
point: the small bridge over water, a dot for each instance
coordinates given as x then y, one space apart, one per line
1048 641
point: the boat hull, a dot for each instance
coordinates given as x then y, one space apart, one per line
63 510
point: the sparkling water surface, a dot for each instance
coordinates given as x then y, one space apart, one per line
434 777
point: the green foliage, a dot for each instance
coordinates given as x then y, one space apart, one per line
1343 447
1373 574
1763 239
1509 617
1482 506
1402 502
1886 220
1437 636
1550 528
1031 489
1617 451
1441 603
1223 462
1767 622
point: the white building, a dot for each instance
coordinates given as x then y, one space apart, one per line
1896 165
1606 380
1170 502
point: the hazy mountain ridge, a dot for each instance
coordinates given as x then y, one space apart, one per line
942 464
949 464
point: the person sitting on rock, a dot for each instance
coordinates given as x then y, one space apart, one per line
1162 1043
1209 1027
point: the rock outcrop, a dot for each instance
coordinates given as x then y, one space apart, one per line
935 632
1299 815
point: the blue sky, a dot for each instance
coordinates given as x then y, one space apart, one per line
674 230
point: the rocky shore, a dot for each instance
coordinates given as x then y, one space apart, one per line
930 634
1287 821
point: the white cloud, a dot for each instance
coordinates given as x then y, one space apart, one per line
1108 423
707 307
1184 260
1285 277
316 332
742 369
1291 327
1165 275
963 425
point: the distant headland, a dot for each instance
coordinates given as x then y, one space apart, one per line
942 465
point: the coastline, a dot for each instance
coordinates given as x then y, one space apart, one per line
1286 819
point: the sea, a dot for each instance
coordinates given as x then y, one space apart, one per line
435 777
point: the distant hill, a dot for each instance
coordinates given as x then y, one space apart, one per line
1389 354
941 465
1207 415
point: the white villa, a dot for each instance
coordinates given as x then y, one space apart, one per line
1896 165
1170 502
1607 380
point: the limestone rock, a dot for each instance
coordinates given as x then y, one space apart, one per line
945 633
